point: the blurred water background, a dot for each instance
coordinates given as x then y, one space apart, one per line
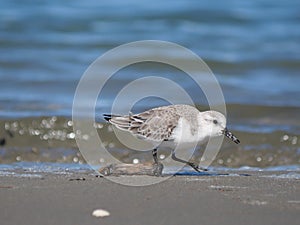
253 48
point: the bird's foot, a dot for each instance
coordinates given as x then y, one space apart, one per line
197 168
157 169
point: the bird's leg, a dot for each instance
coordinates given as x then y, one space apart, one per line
154 154
158 167
195 167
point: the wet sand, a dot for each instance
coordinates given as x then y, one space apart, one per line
261 198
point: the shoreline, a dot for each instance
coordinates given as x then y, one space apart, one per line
258 198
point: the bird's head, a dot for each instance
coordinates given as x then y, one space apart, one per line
216 125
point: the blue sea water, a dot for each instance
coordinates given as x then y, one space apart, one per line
252 47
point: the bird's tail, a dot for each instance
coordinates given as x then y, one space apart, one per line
122 122
107 117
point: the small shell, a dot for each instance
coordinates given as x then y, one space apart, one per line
100 213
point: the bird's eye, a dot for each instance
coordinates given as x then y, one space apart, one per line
215 121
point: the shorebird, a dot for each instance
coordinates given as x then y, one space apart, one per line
172 125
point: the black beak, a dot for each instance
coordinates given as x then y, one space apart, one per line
231 136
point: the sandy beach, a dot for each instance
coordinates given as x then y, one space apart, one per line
258 198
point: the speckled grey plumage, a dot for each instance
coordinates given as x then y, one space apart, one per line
157 124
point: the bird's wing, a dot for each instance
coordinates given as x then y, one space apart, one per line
155 124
